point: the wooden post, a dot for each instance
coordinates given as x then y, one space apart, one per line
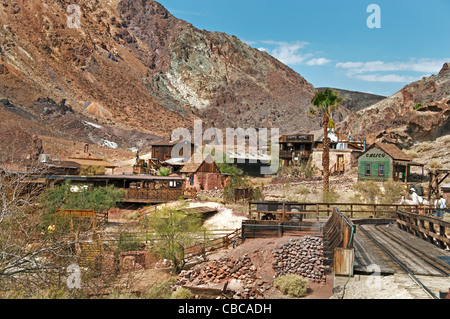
284 212
351 211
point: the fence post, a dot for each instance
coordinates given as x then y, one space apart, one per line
317 210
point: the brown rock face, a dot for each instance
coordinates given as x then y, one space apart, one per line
216 76
133 67
418 112
17 145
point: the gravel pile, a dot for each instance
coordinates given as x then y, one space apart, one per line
241 272
303 257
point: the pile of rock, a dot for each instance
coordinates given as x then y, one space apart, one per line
239 276
303 257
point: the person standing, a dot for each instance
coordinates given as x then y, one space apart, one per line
440 206
443 205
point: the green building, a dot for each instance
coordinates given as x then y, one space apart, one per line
382 161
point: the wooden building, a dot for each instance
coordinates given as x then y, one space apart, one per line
202 176
162 150
295 147
445 191
143 189
382 161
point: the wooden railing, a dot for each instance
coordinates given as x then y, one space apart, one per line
338 231
215 239
283 210
214 244
434 230
292 154
338 235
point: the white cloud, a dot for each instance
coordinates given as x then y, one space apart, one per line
291 53
373 70
386 78
318 61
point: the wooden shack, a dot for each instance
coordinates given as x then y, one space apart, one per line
295 147
162 150
204 175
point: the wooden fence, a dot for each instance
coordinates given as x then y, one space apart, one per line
214 244
286 210
434 230
212 240
273 229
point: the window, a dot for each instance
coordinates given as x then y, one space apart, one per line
381 170
368 170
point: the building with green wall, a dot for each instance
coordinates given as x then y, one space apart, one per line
382 161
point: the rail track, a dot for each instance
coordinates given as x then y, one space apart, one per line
407 258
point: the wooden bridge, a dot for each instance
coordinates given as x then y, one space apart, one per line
367 239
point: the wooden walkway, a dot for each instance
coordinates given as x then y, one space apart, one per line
414 252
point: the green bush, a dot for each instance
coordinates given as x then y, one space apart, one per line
292 285
164 171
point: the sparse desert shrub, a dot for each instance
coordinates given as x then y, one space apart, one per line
161 290
330 197
301 190
435 155
182 293
435 165
423 147
366 192
411 153
292 285
393 192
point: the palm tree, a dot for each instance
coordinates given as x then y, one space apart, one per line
325 103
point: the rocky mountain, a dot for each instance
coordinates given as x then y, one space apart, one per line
132 72
355 101
418 112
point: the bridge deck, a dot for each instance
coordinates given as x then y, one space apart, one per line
367 253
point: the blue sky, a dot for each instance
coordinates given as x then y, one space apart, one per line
329 42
